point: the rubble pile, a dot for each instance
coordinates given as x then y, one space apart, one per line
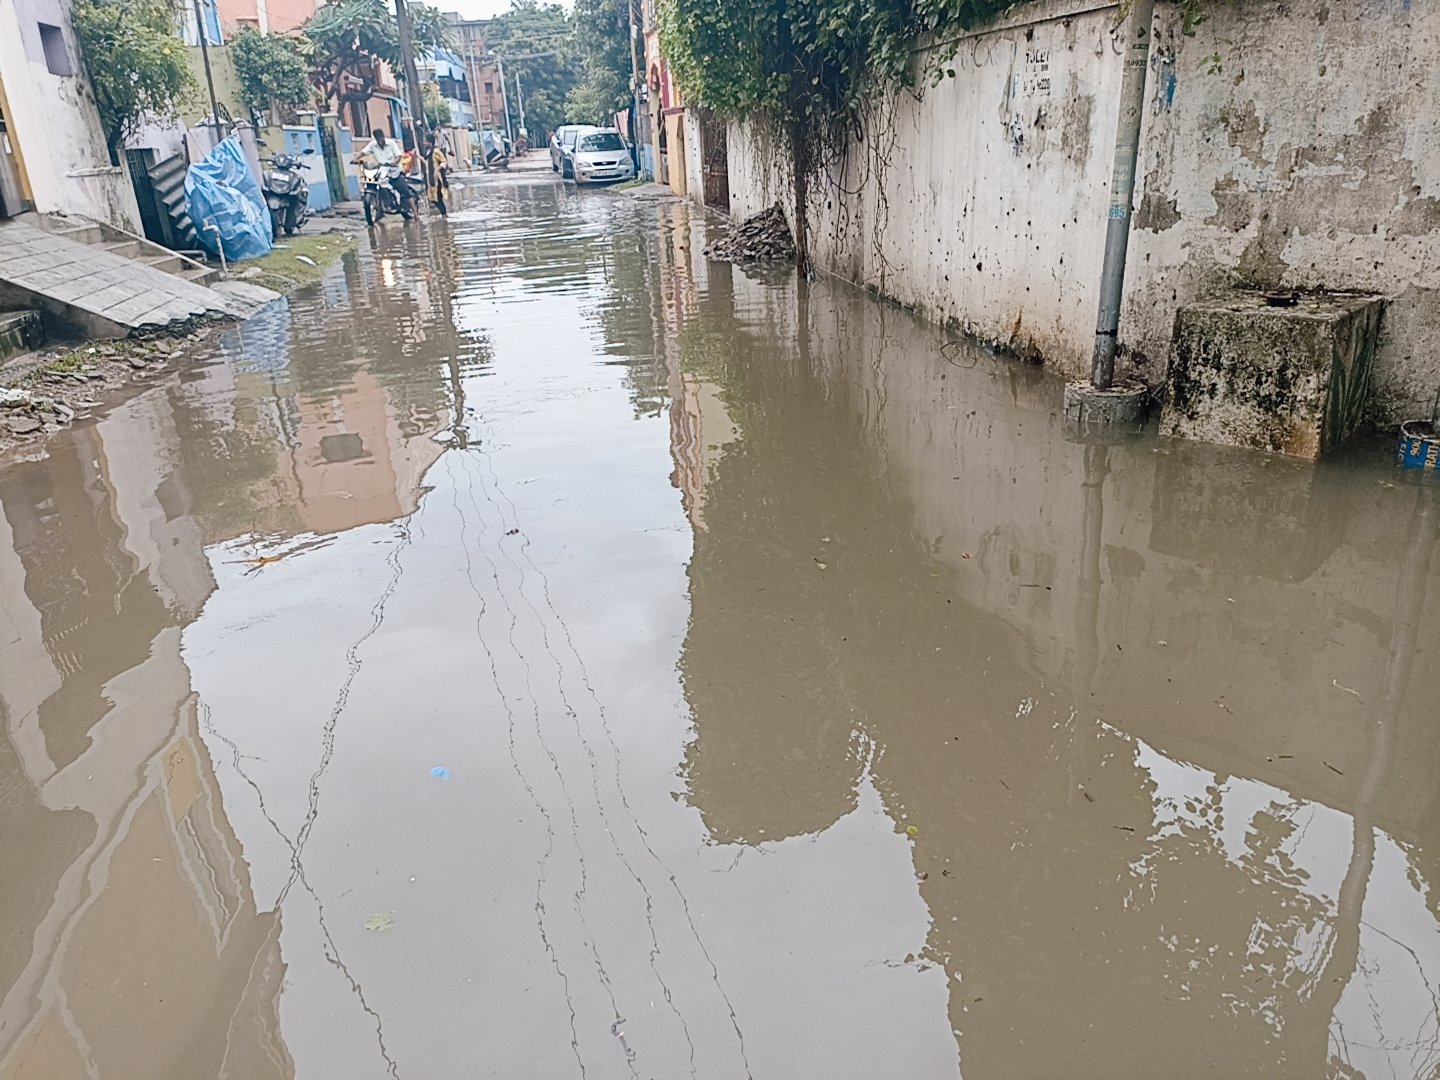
41 393
764 236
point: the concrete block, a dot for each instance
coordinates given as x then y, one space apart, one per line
1289 380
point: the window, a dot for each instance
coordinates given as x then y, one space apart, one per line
57 56
489 88
606 140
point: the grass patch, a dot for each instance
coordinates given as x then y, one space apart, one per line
284 271
626 185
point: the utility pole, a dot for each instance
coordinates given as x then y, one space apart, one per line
474 82
413 93
204 36
520 104
1099 402
504 98
635 85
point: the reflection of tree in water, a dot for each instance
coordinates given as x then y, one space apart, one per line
395 321
633 332
1096 910
228 460
389 317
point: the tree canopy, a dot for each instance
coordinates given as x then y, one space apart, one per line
602 37
272 70
135 61
437 109
344 37
536 41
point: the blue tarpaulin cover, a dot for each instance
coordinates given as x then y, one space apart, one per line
221 191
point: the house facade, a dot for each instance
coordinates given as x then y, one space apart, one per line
53 155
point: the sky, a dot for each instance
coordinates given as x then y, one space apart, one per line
483 9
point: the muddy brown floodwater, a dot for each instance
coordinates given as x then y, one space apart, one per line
758 685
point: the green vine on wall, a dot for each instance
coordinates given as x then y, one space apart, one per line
813 71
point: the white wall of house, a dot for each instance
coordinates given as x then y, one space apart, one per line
694 158
1293 143
52 116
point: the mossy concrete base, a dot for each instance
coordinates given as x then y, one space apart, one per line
1289 380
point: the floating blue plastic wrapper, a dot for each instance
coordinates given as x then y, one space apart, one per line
222 192
440 772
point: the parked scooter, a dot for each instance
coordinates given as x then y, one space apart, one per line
286 194
377 193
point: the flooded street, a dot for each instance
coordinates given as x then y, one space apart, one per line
540 652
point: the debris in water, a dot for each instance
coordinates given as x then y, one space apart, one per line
1332 768
912 831
440 772
1336 683
764 236
380 922
820 564
443 437
259 560
512 532
14 398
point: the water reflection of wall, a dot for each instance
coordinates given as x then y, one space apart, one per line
126 896
1136 816
320 418
136 946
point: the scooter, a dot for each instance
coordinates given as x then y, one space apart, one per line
286 194
377 196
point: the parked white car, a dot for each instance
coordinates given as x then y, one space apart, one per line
601 155
558 138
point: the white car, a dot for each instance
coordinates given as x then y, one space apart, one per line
558 139
600 155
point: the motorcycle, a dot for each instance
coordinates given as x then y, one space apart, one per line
286 194
377 195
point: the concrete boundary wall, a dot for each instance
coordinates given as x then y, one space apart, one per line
1291 143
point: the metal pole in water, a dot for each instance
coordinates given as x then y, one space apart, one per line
1122 189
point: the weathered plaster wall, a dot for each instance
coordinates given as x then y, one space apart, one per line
1290 143
53 119
1309 157
982 201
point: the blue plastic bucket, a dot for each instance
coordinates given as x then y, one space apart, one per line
1419 446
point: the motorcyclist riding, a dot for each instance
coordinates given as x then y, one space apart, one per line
387 153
